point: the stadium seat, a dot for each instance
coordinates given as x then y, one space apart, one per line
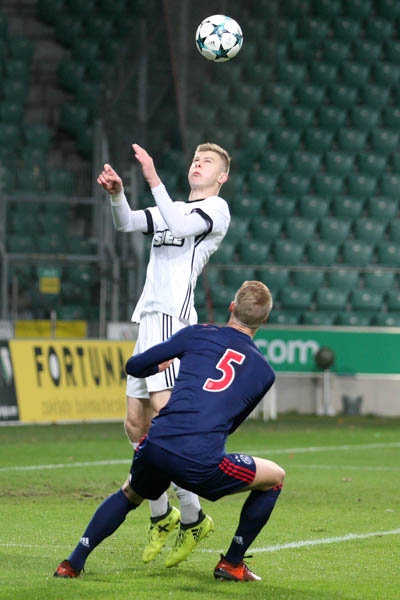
284 317
378 29
298 117
385 209
246 206
321 253
317 139
273 161
354 319
334 229
287 252
346 29
334 299
375 96
261 184
238 228
231 115
51 243
386 74
266 228
279 207
331 117
305 163
310 279
326 9
274 277
363 299
369 230
293 184
386 319
388 253
255 140
279 94
390 185
257 73
379 279
253 252
295 298
11 112
266 117
234 276
310 95
366 51
20 243
351 140
343 279
68 29
338 163
364 118
285 140
300 229
370 163
393 300
318 318
322 73
292 73
389 9
327 184
384 141
394 230
60 180
361 185
356 253
345 206
392 51
343 96
73 117
314 28
314 206
335 52
302 50
225 254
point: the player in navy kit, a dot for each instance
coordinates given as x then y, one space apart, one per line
185 234
221 379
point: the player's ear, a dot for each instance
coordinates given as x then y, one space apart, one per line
231 306
222 178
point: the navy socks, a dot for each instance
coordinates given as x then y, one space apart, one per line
107 518
254 515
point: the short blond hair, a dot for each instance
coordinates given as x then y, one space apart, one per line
222 153
252 304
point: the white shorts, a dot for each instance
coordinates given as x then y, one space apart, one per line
154 328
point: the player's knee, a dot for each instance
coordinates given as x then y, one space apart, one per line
280 475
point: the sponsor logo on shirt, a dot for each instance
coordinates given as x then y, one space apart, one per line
165 238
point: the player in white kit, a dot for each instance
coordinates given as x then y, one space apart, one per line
185 235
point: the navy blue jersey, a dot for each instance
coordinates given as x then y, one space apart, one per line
222 377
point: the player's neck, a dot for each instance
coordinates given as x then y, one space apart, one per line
235 324
201 193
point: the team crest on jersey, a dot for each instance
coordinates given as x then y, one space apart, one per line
165 238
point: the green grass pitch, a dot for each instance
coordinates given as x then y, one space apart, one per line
334 534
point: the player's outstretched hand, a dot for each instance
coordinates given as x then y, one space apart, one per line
110 180
147 164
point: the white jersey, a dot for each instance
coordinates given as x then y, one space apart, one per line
175 263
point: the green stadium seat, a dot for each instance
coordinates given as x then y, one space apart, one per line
273 161
284 317
331 299
298 117
351 140
11 112
71 74
331 117
278 94
292 73
394 230
302 50
390 185
346 29
37 135
287 252
300 229
343 279
321 253
266 117
317 140
230 115
322 73
370 163
375 96
392 51
393 300
253 252
265 228
80 245
99 27
361 185
226 253
261 184
21 243
255 140
73 117
327 9
386 74
68 29
314 206
238 229
310 95
388 253
333 229
384 141
355 74
363 299
334 51
338 163
51 243
347 207
246 94
386 319
319 318
236 275
310 279
383 208
285 140
292 298
354 319
391 117
356 253
314 28
15 90
286 29
276 278
297 8
367 51
31 179
379 279
294 184
234 185
305 163
247 206
257 73
279 207
327 184
378 29
369 230
364 118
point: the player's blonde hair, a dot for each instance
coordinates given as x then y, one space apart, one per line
222 153
252 304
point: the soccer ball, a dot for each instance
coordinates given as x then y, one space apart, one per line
219 38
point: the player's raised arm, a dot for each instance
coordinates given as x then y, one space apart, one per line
110 180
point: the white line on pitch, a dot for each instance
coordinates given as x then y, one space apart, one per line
351 467
101 463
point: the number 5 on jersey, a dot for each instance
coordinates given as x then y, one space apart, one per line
228 372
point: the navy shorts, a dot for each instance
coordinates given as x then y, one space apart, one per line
153 469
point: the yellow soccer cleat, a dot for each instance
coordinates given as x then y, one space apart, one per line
158 534
187 539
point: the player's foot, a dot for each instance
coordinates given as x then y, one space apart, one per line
225 571
158 534
65 570
187 539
